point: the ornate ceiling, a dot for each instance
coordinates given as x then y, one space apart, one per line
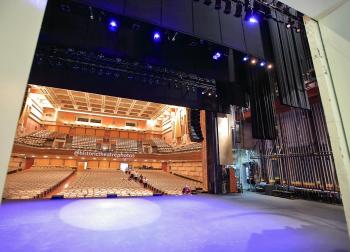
64 99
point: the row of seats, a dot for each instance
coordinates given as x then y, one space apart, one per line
99 183
189 147
125 145
168 183
162 146
34 182
84 142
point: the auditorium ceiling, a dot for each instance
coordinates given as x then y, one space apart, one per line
64 99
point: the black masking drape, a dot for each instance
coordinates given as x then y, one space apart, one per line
261 103
292 61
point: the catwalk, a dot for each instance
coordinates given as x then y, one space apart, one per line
190 223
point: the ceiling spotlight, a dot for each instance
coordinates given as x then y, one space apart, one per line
239 9
250 17
203 92
216 56
253 61
113 25
262 63
269 66
210 93
217 4
298 29
207 2
156 37
246 58
228 6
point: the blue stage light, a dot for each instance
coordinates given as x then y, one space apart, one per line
113 25
246 58
216 56
156 37
253 19
262 63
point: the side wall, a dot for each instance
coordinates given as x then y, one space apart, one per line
20 22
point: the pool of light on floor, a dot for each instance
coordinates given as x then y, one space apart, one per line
99 214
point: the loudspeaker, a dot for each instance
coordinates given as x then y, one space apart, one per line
55 197
194 125
112 195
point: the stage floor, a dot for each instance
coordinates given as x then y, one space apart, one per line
248 222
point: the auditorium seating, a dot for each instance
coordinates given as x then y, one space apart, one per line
125 145
189 147
84 142
162 146
34 182
168 183
99 183
44 138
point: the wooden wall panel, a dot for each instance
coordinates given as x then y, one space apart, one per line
70 163
124 134
90 132
103 164
64 129
56 162
92 164
100 132
114 133
80 131
133 135
114 165
41 162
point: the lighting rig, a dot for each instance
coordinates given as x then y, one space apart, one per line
117 68
255 10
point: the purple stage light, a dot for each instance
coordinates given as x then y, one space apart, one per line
156 37
262 64
216 56
113 25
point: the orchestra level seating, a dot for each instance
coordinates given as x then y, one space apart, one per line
168 183
99 183
34 182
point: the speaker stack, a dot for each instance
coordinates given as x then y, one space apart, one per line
194 125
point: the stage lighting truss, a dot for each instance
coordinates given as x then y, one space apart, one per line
102 65
253 12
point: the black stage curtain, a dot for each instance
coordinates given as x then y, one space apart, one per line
261 103
292 61
230 93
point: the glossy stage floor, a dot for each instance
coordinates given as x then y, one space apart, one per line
248 222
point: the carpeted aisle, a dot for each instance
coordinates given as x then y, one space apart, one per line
189 223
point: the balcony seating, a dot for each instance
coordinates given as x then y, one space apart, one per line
162 146
84 142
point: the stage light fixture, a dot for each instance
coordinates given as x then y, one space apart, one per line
298 28
290 23
207 2
253 61
262 63
217 4
269 66
239 9
113 25
250 17
210 93
216 56
228 6
246 58
156 37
